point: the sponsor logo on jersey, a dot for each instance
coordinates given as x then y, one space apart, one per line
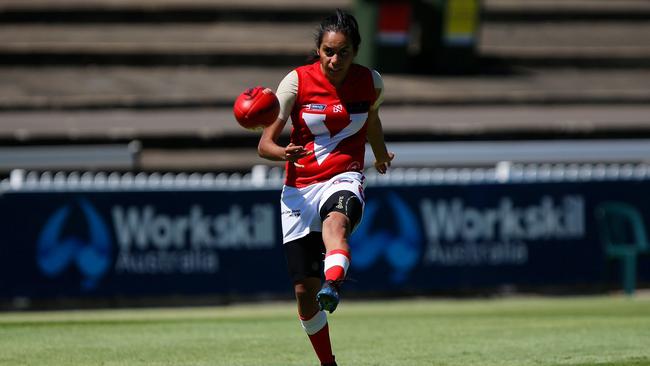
340 204
338 108
291 213
315 107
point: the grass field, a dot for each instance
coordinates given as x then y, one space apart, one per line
512 331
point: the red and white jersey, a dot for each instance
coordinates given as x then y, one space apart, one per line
330 122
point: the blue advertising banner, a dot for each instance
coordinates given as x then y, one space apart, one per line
453 237
141 243
412 238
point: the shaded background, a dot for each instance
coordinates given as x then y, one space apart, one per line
165 72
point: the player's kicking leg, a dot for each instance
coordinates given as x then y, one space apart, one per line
340 213
337 262
337 259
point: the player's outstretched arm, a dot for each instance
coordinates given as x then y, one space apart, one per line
268 147
383 157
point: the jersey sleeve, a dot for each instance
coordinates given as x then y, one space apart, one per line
286 93
379 84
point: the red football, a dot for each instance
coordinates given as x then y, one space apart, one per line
256 107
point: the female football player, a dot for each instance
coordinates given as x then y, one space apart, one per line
334 109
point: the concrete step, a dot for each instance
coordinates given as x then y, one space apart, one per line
217 128
168 5
612 44
209 139
578 35
75 88
73 11
165 11
149 44
569 10
618 44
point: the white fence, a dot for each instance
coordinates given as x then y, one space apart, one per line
264 177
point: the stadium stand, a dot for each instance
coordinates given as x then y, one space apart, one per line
165 72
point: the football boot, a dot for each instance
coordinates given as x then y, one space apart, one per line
328 297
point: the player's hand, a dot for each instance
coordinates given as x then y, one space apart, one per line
382 165
294 152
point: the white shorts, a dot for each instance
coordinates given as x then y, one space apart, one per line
300 207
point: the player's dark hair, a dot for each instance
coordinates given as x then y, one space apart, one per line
341 22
